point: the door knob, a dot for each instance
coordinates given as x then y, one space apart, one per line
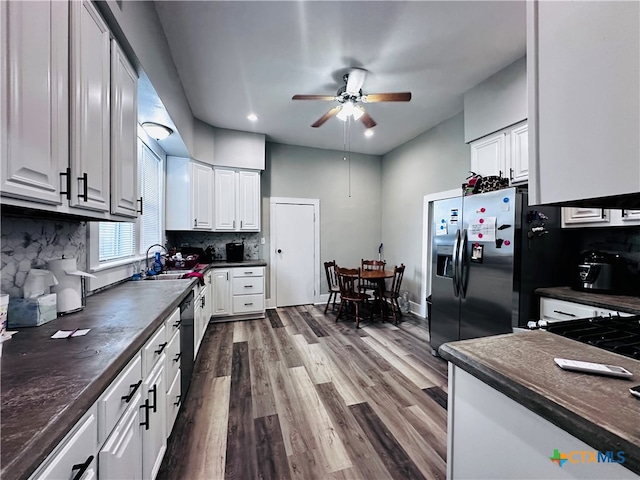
279 251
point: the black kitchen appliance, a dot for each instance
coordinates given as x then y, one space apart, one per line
235 252
599 272
186 342
613 333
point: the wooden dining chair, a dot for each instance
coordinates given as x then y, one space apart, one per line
332 282
366 285
348 281
393 293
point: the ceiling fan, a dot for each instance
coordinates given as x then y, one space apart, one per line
350 97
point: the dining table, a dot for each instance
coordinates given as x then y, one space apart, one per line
379 277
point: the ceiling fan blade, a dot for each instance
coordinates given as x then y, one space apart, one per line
367 120
313 97
355 80
387 97
331 113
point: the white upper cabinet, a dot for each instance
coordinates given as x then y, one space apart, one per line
63 83
34 101
237 200
124 123
503 154
225 199
90 108
583 68
201 198
189 195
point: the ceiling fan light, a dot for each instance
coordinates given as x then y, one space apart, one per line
343 114
357 112
156 131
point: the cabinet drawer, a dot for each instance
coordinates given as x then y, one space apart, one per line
115 400
248 303
552 309
248 285
174 400
78 447
153 350
173 355
248 272
172 324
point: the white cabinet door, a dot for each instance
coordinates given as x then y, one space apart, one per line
124 124
75 456
155 432
578 74
174 400
225 199
34 108
121 455
579 215
519 155
221 292
90 108
249 200
488 155
201 198
630 217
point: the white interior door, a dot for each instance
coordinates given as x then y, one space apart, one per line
294 246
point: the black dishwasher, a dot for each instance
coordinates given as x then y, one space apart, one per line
186 344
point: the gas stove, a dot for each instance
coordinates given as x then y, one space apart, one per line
616 334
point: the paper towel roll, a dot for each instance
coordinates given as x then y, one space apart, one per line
38 282
69 288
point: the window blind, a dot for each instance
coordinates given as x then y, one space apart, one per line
151 191
117 240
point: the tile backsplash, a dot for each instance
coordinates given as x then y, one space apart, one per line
218 240
28 243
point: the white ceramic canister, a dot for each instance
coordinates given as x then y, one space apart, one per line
69 288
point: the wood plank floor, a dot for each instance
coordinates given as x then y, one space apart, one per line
296 395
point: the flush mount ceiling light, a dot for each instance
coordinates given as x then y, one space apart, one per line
368 132
157 131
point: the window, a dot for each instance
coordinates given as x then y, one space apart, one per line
150 168
120 240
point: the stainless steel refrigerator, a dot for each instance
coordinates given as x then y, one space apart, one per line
490 252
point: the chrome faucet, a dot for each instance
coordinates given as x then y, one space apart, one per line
147 255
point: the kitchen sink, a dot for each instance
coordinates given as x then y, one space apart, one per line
170 275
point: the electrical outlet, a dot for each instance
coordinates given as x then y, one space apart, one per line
262 241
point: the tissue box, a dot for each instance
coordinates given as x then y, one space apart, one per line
31 312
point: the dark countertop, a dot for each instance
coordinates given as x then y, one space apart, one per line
624 303
48 384
598 410
244 263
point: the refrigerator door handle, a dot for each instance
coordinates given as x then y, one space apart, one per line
454 257
462 287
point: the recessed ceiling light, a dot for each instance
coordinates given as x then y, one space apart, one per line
253 117
368 132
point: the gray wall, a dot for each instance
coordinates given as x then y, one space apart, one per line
350 227
435 161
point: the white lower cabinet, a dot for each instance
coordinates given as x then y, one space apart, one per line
124 434
238 292
154 414
121 454
554 310
220 292
201 315
75 456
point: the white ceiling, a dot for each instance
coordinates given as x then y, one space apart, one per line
237 57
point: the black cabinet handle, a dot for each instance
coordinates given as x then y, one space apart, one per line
564 313
247 304
140 211
145 424
154 390
177 324
81 467
85 190
202 301
134 387
279 251
162 347
248 286
67 175
179 400
511 174
177 359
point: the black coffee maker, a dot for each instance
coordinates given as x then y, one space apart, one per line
599 272
235 252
